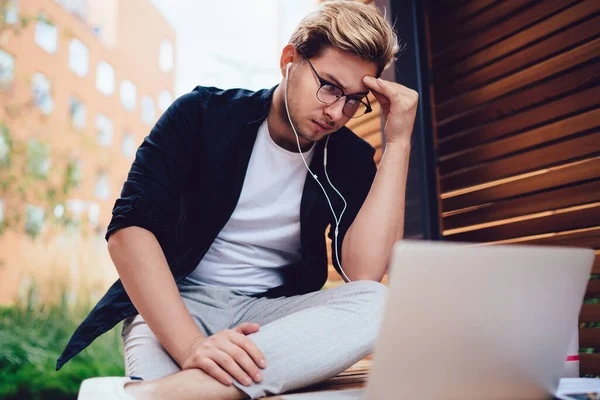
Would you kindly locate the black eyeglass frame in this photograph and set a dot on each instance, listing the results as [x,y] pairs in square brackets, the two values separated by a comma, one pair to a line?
[324,82]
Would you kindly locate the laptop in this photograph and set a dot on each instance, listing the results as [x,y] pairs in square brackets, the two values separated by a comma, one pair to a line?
[465,321]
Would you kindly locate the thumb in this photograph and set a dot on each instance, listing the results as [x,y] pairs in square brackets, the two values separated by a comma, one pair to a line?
[247,328]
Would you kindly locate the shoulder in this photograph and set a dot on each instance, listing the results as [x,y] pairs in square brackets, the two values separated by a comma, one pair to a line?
[215,103]
[209,96]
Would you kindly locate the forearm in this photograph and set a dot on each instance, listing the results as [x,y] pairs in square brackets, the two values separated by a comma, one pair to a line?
[145,274]
[368,244]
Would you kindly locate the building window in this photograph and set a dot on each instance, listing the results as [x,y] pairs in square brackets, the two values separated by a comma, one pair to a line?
[128,95]
[105,78]
[11,12]
[46,34]
[7,69]
[77,7]
[78,57]
[104,130]
[5,147]
[34,220]
[148,110]
[73,174]
[164,100]
[77,112]
[94,214]
[76,207]
[128,146]
[103,186]
[38,159]
[59,211]
[41,93]
[165,57]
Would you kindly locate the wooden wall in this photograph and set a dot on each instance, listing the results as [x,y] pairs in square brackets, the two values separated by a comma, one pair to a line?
[516,105]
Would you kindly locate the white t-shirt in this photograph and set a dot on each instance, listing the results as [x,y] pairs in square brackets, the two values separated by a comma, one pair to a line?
[262,237]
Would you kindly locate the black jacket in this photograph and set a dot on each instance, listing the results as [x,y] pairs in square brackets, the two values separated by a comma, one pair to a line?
[187,178]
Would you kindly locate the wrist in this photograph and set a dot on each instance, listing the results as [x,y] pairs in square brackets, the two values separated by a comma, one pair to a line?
[182,349]
[398,144]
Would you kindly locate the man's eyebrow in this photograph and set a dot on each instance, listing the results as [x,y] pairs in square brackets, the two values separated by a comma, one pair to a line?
[334,80]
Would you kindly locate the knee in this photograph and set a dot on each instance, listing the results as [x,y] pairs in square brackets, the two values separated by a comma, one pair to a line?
[370,297]
[370,293]
[369,300]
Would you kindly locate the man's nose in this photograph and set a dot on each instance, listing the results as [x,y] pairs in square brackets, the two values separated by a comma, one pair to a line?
[335,109]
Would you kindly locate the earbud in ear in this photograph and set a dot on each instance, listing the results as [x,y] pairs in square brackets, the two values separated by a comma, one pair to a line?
[287,71]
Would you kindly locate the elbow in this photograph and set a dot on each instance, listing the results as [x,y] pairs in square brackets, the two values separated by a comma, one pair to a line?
[366,270]
[114,241]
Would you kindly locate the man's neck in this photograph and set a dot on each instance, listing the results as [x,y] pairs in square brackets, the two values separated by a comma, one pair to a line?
[279,126]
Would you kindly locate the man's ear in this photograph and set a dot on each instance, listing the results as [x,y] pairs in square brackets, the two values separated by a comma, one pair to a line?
[288,55]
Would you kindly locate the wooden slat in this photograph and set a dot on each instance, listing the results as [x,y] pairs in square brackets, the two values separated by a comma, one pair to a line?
[374,138]
[558,153]
[378,154]
[529,16]
[589,364]
[593,290]
[465,134]
[469,101]
[355,123]
[517,41]
[589,169]
[589,337]
[332,274]
[553,199]
[517,143]
[588,238]
[537,52]
[556,96]
[460,15]
[446,37]
[550,222]
[437,9]
[596,266]
[590,313]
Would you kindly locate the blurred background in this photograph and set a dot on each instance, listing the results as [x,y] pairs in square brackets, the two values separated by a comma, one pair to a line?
[81,84]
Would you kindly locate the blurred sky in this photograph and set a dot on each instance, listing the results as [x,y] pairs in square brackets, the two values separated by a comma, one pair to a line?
[231,43]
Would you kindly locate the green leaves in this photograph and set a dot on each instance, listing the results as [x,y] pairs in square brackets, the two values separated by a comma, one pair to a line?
[32,337]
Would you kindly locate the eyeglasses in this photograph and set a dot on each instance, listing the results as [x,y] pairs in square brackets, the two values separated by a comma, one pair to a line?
[329,93]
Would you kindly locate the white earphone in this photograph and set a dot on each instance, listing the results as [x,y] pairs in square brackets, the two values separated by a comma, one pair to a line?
[316,178]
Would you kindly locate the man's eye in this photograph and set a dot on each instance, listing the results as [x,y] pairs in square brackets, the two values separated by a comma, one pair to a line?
[333,90]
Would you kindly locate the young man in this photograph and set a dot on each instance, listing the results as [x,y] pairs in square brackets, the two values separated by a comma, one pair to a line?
[218,235]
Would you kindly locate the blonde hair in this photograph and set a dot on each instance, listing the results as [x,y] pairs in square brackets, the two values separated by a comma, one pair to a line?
[349,26]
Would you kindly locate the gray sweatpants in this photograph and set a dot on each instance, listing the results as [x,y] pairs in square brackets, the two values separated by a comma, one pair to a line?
[306,339]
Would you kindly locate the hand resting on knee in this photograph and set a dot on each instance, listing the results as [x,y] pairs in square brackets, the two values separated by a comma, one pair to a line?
[227,355]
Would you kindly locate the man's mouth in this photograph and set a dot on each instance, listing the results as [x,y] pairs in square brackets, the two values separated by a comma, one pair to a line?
[322,127]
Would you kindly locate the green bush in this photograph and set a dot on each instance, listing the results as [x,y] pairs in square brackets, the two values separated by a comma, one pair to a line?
[32,337]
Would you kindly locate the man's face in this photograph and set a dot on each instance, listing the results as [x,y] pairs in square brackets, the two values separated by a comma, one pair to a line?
[312,118]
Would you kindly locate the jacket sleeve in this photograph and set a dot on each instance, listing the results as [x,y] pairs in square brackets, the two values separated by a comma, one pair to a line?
[355,197]
[151,194]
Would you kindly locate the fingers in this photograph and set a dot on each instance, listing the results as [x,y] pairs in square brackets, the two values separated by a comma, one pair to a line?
[378,85]
[213,369]
[229,364]
[229,355]
[392,90]
[245,370]
[247,328]
[250,348]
